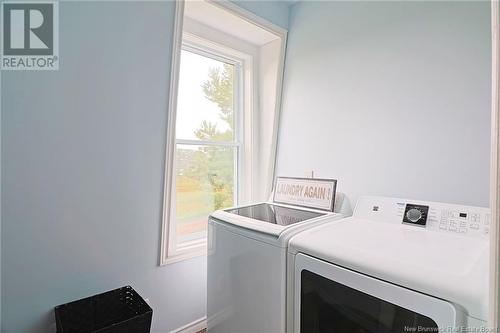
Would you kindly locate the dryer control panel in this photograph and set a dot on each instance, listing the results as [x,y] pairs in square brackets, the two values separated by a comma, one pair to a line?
[415,214]
[433,216]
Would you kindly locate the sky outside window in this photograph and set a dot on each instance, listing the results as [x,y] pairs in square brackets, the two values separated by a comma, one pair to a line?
[193,107]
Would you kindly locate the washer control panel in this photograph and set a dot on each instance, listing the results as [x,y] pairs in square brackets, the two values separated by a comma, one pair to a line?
[433,216]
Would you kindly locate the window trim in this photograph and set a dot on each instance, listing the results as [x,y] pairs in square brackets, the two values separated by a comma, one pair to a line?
[243,119]
[166,255]
[206,48]
[202,47]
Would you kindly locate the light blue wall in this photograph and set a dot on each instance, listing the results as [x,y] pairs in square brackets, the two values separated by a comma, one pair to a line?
[82,170]
[273,11]
[82,158]
[391,98]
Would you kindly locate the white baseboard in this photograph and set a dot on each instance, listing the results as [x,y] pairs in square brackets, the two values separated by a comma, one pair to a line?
[192,327]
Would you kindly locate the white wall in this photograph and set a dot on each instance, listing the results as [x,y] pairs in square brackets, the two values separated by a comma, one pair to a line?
[391,98]
[82,170]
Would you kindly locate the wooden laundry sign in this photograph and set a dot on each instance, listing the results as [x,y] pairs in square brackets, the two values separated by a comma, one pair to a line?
[307,192]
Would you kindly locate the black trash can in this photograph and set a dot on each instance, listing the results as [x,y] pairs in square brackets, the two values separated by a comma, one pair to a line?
[117,311]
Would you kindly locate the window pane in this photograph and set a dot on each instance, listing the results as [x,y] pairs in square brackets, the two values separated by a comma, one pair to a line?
[204,183]
[206,98]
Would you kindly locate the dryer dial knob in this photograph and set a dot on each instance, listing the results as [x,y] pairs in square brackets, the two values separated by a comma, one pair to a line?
[414,215]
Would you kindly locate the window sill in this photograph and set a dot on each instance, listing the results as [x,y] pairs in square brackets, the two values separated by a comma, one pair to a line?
[185,255]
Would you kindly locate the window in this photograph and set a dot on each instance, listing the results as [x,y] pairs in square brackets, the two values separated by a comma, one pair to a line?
[211,154]
[208,143]
[223,113]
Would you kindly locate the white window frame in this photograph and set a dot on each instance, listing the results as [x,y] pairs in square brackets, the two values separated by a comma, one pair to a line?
[243,67]
[243,115]
[245,178]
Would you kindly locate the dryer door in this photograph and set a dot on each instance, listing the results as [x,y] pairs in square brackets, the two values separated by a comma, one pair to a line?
[332,299]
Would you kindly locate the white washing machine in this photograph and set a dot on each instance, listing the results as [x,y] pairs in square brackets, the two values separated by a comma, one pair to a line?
[247,251]
[395,266]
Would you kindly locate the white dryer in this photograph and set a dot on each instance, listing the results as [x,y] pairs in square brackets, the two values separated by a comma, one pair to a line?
[396,265]
[247,251]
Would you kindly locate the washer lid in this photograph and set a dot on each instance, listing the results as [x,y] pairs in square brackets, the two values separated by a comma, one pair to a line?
[274,214]
[272,219]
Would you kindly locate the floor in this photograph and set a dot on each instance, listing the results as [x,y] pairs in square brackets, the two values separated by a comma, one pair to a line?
[202,331]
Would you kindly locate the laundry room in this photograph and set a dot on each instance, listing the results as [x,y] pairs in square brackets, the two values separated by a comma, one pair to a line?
[249,166]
